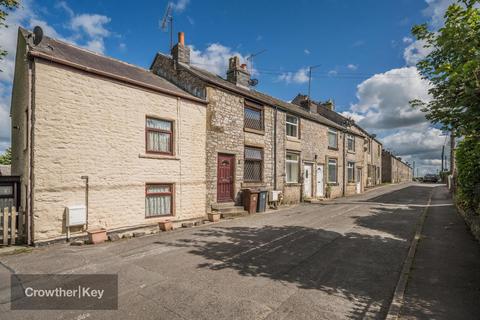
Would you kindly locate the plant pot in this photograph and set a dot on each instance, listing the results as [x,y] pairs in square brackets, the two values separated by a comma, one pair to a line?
[214,217]
[97,236]
[165,225]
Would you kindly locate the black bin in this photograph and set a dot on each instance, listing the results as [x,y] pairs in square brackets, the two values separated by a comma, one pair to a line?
[262,201]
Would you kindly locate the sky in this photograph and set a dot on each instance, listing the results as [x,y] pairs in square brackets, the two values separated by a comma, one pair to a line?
[363,51]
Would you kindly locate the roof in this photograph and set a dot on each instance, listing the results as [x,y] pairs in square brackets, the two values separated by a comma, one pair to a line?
[5,170]
[330,114]
[73,56]
[218,81]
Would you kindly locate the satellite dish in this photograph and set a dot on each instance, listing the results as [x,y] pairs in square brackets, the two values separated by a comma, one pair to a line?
[253,82]
[37,35]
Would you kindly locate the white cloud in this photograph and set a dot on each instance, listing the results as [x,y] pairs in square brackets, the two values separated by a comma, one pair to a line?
[415,52]
[383,99]
[436,10]
[92,24]
[306,51]
[180,5]
[332,73]
[352,67]
[214,58]
[300,76]
[407,40]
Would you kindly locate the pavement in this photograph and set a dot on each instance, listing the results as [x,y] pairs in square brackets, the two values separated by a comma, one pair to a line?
[341,259]
[444,282]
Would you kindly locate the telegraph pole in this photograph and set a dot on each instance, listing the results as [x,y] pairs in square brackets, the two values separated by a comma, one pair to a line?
[443,156]
[310,78]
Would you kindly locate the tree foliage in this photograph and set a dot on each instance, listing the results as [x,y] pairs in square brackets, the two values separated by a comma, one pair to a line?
[453,68]
[468,162]
[5,7]
[6,158]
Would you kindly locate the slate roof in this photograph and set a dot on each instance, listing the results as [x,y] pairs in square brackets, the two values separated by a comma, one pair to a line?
[330,114]
[258,96]
[58,51]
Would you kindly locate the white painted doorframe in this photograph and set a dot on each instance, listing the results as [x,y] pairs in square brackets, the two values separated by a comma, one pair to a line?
[307,179]
[320,179]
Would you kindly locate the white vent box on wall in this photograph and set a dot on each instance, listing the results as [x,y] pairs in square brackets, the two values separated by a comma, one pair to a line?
[76,216]
[274,195]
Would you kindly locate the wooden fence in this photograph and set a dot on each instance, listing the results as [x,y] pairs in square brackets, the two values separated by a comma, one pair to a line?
[12,226]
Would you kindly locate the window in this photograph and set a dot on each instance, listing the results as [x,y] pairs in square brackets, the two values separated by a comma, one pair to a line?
[292,167]
[350,143]
[159,136]
[332,170]
[158,200]
[253,164]
[332,138]
[292,126]
[379,150]
[253,118]
[351,171]
[367,142]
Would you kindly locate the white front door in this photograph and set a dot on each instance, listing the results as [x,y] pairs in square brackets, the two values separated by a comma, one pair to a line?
[307,180]
[320,181]
[359,180]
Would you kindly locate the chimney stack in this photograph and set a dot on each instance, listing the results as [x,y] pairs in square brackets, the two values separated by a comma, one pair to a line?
[238,74]
[180,52]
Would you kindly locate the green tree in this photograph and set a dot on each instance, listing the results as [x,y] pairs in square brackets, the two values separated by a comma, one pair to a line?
[5,7]
[6,158]
[453,68]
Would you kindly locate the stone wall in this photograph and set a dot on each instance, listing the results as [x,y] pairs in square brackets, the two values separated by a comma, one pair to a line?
[93,126]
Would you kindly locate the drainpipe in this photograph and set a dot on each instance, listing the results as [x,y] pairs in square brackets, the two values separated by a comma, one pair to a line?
[86,199]
[275,149]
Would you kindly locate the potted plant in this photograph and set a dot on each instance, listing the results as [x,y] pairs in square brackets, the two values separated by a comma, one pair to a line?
[328,191]
[213,216]
[165,225]
[97,236]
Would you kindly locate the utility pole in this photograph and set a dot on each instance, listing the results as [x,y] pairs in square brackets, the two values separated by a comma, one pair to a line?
[310,78]
[414,168]
[452,153]
[443,156]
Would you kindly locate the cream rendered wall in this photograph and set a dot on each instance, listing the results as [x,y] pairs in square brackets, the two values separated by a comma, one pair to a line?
[88,125]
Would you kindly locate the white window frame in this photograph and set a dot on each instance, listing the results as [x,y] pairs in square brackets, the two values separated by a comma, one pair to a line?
[336,170]
[293,162]
[351,137]
[351,165]
[332,131]
[296,125]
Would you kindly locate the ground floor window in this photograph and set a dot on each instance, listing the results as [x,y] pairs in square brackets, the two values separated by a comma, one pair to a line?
[351,171]
[332,170]
[158,200]
[253,164]
[292,167]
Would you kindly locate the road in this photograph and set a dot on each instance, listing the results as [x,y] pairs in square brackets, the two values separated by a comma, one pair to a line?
[336,260]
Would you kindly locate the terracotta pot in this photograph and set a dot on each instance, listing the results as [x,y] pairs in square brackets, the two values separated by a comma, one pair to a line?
[97,236]
[214,217]
[165,225]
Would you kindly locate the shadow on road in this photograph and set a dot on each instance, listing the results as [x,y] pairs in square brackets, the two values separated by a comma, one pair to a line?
[362,267]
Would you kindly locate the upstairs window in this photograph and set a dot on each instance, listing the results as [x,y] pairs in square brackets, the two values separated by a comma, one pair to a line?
[253,117]
[379,150]
[292,126]
[159,137]
[292,167]
[350,143]
[253,164]
[332,170]
[332,138]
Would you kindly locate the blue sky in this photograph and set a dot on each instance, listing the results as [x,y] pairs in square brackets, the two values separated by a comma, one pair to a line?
[364,50]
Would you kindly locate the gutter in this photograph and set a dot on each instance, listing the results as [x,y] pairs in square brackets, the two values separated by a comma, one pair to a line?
[115,77]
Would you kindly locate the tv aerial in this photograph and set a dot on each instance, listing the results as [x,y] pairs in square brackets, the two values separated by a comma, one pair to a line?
[168,20]
[253,82]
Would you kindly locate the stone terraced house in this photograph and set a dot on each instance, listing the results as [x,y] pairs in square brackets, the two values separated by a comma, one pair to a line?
[138,139]
[257,141]
[394,170]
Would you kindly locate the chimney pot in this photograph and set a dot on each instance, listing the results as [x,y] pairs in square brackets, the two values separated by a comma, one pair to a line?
[244,66]
[181,38]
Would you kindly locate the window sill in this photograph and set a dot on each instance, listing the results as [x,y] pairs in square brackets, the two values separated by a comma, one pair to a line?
[158,156]
[351,152]
[294,139]
[332,184]
[332,148]
[293,184]
[164,217]
[260,132]
[249,184]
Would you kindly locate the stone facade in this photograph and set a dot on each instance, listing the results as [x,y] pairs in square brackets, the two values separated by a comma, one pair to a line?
[394,170]
[373,160]
[87,125]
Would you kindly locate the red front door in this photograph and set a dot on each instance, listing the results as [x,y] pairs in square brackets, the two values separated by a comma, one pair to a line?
[225,170]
